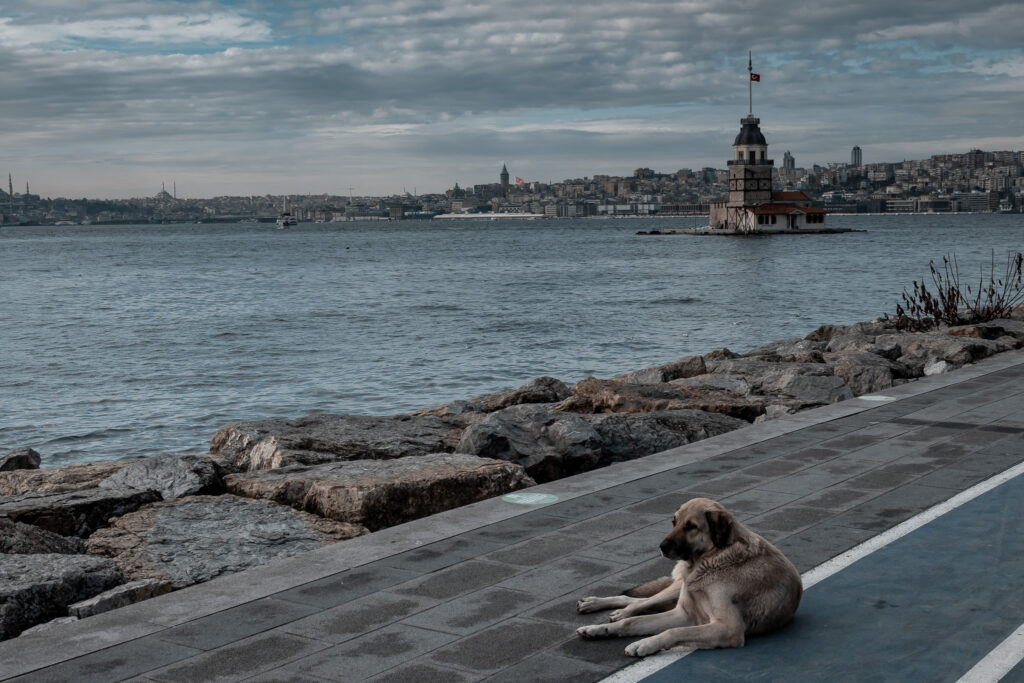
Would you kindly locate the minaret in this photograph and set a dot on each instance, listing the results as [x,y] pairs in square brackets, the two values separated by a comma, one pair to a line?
[504,181]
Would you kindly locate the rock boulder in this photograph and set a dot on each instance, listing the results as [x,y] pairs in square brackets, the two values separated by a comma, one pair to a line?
[37,588]
[120,596]
[383,493]
[552,444]
[197,538]
[173,476]
[58,479]
[26,539]
[539,390]
[20,459]
[75,513]
[316,439]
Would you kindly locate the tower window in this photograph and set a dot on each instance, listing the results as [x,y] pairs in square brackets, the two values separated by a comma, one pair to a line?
[753,155]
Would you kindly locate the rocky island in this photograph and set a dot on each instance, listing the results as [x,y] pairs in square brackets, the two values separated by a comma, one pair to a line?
[81,539]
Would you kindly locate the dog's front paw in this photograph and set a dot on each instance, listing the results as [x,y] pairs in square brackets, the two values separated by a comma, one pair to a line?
[596,631]
[620,614]
[642,648]
[588,604]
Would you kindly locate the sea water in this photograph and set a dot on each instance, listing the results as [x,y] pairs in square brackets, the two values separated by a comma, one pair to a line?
[127,341]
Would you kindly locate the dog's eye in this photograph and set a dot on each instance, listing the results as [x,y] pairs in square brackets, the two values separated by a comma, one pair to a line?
[689,526]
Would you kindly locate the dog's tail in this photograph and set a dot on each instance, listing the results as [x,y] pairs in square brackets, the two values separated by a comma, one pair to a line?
[646,590]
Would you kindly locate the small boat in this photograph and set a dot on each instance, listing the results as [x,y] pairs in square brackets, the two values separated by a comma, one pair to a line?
[286,219]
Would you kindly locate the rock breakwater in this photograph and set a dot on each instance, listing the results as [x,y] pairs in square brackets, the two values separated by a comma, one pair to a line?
[71,537]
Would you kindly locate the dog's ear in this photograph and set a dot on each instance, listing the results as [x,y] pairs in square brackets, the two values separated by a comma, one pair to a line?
[719,527]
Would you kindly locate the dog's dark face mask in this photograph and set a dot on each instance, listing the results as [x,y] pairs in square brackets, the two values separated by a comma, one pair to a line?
[694,534]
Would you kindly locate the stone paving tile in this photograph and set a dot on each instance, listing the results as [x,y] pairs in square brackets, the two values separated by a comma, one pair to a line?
[612,525]
[804,482]
[662,507]
[953,478]
[470,613]
[244,658]
[730,484]
[458,580]
[344,622]
[371,654]
[421,671]
[838,498]
[283,676]
[346,586]
[648,487]
[114,663]
[886,476]
[889,509]
[753,502]
[605,652]
[234,624]
[517,528]
[810,547]
[585,507]
[789,519]
[499,647]
[548,667]
[441,554]
[774,468]
[562,576]
[539,550]
[631,548]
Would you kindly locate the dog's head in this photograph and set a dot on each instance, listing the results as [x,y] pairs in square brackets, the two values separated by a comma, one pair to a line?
[699,526]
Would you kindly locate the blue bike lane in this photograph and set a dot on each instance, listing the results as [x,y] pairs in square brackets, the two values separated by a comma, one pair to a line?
[927,607]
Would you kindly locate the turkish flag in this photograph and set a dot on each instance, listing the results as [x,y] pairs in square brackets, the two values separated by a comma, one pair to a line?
[755,77]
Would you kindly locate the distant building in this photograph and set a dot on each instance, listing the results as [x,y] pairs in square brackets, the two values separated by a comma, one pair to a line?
[856,159]
[504,181]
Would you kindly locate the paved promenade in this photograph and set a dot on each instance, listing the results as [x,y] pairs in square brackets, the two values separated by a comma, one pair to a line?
[488,591]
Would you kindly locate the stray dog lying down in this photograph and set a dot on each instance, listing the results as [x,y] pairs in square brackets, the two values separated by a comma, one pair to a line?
[728,583]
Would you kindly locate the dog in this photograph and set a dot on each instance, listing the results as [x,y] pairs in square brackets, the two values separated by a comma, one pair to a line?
[728,583]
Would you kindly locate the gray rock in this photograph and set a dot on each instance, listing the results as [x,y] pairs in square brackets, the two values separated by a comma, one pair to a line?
[198,538]
[20,459]
[120,596]
[49,625]
[627,436]
[865,372]
[318,439]
[787,347]
[174,476]
[547,444]
[26,539]
[75,513]
[815,389]
[37,588]
[937,368]
[382,493]
[924,349]
[58,479]
[551,445]
[539,390]
[685,367]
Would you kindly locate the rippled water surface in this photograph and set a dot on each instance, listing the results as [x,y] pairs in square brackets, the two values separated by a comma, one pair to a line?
[119,341]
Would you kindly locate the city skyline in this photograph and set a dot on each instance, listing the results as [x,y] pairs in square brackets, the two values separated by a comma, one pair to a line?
[231,98]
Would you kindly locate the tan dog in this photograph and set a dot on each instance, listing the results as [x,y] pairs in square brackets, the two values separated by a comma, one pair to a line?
[728,583]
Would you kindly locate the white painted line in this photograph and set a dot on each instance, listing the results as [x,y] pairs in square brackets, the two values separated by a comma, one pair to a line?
[999,662]
[655,663]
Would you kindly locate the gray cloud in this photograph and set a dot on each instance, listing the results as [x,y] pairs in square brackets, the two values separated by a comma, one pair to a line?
[416,92]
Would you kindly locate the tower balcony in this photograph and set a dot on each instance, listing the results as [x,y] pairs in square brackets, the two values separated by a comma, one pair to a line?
[748,162]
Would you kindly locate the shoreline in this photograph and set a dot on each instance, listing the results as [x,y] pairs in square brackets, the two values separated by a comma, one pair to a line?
[326,478]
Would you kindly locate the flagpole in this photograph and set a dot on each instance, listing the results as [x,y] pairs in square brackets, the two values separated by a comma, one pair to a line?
[750,85]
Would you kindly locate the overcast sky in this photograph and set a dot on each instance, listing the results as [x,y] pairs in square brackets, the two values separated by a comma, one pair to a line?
[110,98]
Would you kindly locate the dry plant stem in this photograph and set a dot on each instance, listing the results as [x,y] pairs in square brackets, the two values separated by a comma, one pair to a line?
[954,303]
